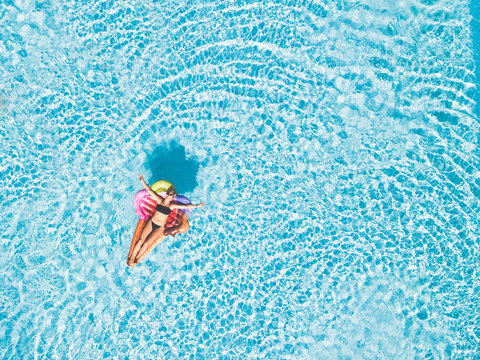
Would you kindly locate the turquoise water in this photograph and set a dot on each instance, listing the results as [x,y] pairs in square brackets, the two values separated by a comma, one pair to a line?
[335,144]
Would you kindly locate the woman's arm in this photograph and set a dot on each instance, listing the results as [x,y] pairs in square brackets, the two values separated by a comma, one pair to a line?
[189,206]
[152,193]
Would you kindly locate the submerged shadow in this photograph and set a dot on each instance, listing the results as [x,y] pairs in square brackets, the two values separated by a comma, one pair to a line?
[169,162]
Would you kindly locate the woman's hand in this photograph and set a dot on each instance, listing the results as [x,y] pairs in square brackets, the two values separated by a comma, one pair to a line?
[201,204]
[140,177]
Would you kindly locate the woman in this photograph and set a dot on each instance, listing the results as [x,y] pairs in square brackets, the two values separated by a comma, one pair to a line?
[154,230]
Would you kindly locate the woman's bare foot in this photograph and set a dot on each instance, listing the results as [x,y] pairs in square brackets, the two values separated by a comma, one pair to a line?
[130,263]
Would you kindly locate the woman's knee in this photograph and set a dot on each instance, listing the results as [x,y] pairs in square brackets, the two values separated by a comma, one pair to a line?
[149,241]
[140,242]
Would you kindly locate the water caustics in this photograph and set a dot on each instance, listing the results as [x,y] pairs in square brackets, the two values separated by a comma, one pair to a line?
[336,146]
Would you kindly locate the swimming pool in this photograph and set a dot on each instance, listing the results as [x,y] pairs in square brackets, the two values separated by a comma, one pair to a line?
[335,144]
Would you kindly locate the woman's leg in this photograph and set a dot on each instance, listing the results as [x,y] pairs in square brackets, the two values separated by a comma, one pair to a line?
[150,243]
[147,230]
[136,238]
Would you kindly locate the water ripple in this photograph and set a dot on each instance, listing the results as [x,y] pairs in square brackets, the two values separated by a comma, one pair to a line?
[338,153]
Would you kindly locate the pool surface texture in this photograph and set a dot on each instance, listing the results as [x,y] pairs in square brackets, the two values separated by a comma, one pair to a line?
[336,144]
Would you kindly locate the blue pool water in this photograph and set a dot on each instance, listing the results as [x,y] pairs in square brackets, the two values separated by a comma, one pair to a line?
[334,142]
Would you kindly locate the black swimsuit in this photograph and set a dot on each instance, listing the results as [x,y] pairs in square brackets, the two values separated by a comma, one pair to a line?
[165,210]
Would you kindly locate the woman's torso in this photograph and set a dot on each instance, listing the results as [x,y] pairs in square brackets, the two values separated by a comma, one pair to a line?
[161,213]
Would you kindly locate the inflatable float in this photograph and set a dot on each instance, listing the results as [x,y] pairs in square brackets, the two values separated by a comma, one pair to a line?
[177,221]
